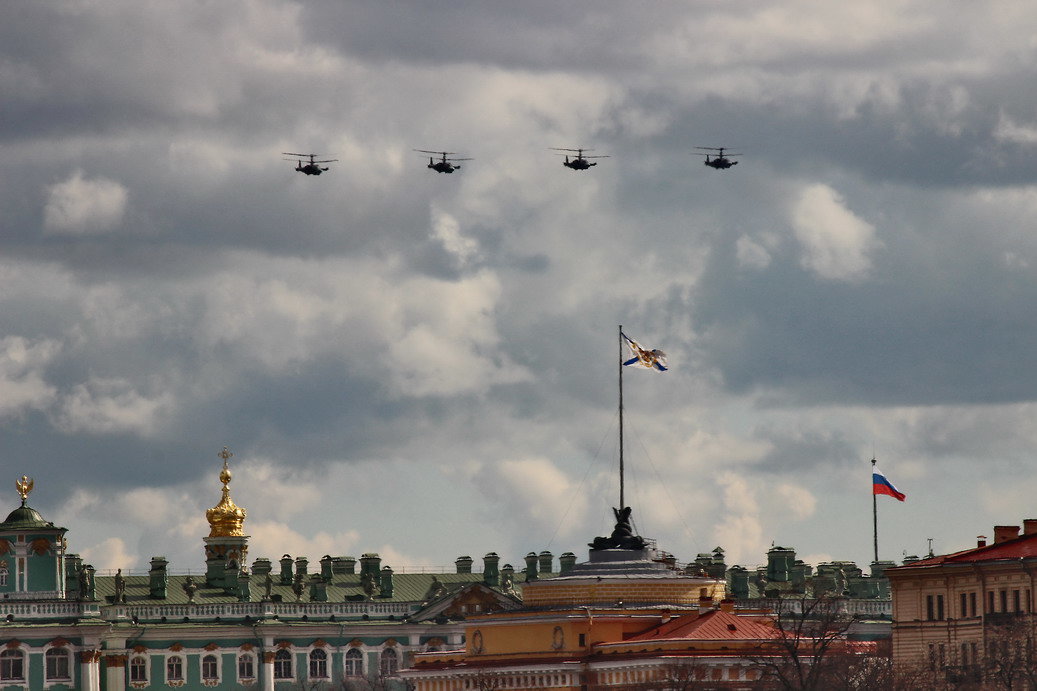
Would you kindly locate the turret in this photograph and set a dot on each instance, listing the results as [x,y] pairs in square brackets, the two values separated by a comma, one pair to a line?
[227,541]
[32,552]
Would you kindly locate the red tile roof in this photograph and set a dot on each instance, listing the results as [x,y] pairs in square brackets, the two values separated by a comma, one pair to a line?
[1022,547]
[715,625]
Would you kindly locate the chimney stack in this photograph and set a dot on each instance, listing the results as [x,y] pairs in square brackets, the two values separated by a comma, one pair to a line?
[491,570]
[1030,526]
[1005,532]
[463,564]
[981,541]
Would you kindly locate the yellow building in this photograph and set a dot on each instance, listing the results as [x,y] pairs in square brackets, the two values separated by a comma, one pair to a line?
[623,619]
[955,614]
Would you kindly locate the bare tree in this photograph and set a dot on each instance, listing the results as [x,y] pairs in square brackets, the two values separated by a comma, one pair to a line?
[810,651]
[1010,659]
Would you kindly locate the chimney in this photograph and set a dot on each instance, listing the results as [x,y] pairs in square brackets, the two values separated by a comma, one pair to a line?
[301,568]
[158,578]
[490,570]
[727,605]
[546,561]
[286,569]
[371,563]
[566,563]
[385,583]
[318,589]
[531,566]
[345,565]
[325,567]
[981,541]
[261,567]
[705,603]
[1030,526]
[463,564]
[244,589]
[1005,532]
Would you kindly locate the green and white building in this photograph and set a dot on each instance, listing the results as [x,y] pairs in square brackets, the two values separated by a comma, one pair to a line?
[342,623]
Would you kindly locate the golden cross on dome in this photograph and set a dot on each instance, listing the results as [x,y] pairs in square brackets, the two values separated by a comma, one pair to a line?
[225,455]
[24,486]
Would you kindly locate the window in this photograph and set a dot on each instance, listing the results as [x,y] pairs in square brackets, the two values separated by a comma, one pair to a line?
[972,604]
[210,668]
[318,664]
[1017,601]
[3,573]
[939,607]
[12,665]
[354,663]
[246,666]
[57,664]
[1004,600]
[390,662]
[174,668]
[929,607]
[964,606]
[283,664]
[990,602]
[139,668]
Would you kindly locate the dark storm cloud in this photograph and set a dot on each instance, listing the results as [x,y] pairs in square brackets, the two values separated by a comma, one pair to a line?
[170,284]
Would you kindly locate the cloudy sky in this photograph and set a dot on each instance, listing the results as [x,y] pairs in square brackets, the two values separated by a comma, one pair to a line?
[424,365]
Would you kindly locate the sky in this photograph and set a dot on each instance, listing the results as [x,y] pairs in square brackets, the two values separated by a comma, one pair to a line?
[425,365]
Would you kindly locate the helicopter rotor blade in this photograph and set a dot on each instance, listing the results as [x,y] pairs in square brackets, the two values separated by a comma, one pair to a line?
[556,148]
[438,153]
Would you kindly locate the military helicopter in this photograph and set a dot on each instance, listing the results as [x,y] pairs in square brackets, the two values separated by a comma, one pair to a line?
[444,164]
[579,161]
[719,161]
[310,168]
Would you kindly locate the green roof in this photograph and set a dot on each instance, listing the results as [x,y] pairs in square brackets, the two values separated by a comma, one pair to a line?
[25,517]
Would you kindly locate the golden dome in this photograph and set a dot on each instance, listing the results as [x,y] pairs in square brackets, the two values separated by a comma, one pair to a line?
[226,518]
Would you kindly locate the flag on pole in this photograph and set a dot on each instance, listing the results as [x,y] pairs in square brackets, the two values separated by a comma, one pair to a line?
[652,359]
[880,485]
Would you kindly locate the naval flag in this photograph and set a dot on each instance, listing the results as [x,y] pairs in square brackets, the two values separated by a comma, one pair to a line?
[652,359]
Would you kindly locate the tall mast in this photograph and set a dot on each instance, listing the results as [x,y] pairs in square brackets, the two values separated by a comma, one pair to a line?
[621,504]
[875,512]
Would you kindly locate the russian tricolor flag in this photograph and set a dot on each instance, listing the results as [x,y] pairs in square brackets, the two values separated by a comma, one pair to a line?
[880,485]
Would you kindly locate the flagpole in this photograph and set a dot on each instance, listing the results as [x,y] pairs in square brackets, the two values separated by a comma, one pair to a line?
[621,504]
[875,511]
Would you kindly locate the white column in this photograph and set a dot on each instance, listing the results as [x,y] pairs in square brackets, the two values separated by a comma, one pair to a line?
[90,670]
[267,672]
[115,665]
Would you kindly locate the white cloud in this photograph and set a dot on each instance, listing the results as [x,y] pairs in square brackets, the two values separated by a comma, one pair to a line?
[106,406]
[79,206]
[22,366]
[110,554]
[535,489]
[447,231]
[836,244]
[751,254]
[797,501]
[740,532]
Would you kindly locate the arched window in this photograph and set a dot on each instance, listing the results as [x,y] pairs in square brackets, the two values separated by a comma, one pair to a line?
[139,668]
[174,668]
[318,664]
[283,664]
[246,667]
[12,665]
[57,665]
[210,668]
[390,662]
[354,663]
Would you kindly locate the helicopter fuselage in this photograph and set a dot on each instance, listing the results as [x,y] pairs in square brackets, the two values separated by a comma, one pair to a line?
[442,166]
[720,163]
[578,163]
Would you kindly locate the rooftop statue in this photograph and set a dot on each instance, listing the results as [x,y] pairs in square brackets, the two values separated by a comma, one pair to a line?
[623,536]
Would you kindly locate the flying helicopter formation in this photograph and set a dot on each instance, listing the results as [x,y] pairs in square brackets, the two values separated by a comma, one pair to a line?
[448,161]
[579,161]
[444,164]
[311,168]
[719,160]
